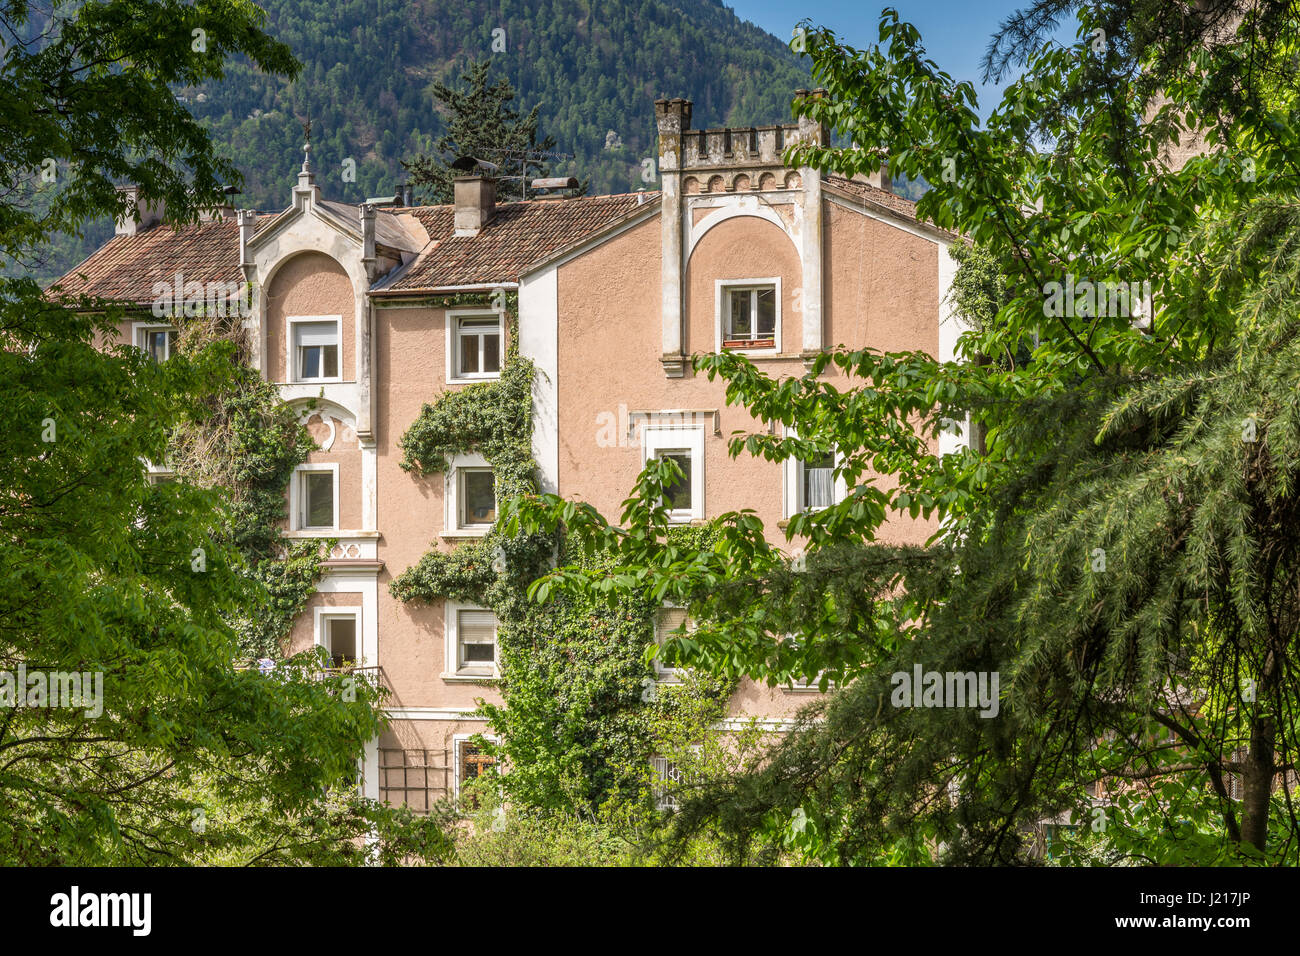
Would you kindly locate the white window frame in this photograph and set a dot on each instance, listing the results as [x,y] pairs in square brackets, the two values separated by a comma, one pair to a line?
[662,781]
[722,303]
[296,502]
[456,741]
[794,482]
[806,685]
[320,627]
[663,674]
[451,644]
[291,351]
[656,439]
[139,328]
[451,519]
[454,374]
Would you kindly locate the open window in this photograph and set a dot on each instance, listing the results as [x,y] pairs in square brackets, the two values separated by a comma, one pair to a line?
[339,637]
[812,485]
[749,315]
[817,483]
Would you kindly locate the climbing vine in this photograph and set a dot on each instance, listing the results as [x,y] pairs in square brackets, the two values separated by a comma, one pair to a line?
[577,725]
[248,444]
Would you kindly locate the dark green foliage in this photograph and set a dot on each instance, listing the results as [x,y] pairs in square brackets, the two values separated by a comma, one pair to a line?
[1120,548]
[72,113]
[481,123]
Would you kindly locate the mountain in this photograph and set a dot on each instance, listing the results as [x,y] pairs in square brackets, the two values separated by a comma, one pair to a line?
[594,66]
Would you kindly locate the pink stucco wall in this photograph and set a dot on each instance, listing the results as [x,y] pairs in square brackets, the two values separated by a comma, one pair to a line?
[310,283]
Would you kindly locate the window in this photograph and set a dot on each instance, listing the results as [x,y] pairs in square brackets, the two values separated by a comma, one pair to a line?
[340,638]
[678,492]
[478,497]
[668,620]
[471,762]
[818,480]
[684,496]
[476,643]
[667,777]
[157,341]
[812,485]
[317,498]
[471,496]
[749,315]
[805,683]
[315,350]
[477,346]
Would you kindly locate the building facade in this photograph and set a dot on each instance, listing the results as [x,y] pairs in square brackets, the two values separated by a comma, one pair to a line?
[614,294]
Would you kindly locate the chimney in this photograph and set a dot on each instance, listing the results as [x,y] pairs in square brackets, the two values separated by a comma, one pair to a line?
[247,227]
[880,177]
[142,215]
[475,202]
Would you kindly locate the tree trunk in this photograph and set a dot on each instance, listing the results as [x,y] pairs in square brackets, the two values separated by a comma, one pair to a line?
[1257,781]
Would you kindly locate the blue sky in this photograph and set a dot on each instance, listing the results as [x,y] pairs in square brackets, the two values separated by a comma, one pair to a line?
[955,32]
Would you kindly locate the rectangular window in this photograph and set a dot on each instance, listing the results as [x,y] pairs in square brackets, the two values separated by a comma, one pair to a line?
[341,639]
[471,763]
[159,343]
[316,496]
[818,480]
[678,493]
[478,347]
[667,621]
[749,317]
[316,351]
[476,643]
[684,446]
[666,778]
[478,497]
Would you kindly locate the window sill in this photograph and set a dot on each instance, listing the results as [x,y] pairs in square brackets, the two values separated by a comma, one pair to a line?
[472,379]
[328,533]
[471,678]
[756,347]
[463,534]
[691,522]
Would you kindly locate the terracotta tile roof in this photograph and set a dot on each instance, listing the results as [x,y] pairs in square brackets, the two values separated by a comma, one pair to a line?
[125,268]
[519,235]
[869,193]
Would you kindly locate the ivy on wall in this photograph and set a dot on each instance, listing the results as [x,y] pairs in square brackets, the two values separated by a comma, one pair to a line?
[580,702]
[249,443]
